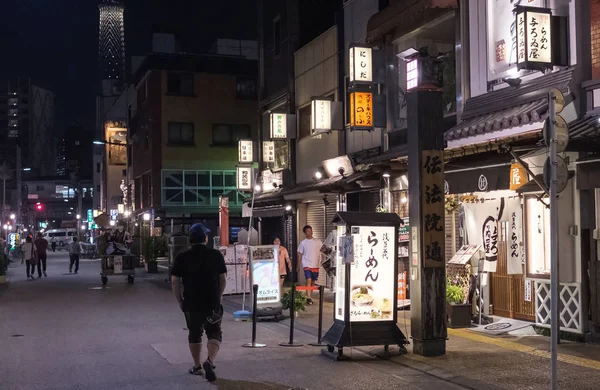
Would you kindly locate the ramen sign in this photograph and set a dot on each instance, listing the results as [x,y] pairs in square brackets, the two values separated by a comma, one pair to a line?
[373,281]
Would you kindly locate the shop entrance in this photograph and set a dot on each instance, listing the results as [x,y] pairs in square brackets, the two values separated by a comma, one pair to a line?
[508,291]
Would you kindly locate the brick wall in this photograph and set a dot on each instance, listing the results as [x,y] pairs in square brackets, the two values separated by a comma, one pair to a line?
[595,32]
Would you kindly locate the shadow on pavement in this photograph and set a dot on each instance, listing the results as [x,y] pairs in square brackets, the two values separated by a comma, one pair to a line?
[225,384]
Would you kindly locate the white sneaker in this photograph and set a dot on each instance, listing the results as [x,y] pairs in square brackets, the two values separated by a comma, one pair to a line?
[45,274]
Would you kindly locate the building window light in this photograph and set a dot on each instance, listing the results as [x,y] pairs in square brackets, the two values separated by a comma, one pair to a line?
[412,74]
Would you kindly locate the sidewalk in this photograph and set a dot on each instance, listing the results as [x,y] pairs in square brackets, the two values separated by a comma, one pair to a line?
[507,362]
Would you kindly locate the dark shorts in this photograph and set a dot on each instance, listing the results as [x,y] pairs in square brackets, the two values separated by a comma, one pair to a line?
[197,324]
[310,273]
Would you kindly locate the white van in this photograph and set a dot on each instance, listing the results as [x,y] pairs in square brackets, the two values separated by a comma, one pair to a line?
[62,237]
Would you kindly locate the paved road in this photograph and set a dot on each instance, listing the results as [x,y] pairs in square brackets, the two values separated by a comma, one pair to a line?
[66,332]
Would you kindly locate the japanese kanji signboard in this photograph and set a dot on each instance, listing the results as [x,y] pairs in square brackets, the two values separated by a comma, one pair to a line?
[245,152]
[361,64]
[518,176]
[361,110]
[278,126]
[534,38]
[432,201]
[268,151]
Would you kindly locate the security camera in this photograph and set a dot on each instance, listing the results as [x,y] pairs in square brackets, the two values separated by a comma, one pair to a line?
[341,170]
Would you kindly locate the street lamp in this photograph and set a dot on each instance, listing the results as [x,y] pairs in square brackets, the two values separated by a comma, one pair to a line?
[146,217]
[78,216]
[12,216]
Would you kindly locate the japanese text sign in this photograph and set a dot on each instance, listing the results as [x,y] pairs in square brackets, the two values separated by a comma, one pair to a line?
[278,126]
[373,281]
[245,152]
[244,178]
[432,204]
[518,176]
[361,64]
[320,116]
[534,37]
[265,272]
[361,109]
[268,151]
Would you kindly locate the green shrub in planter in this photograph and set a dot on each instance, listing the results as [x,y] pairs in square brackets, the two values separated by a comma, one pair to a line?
[300,301]
[454,294]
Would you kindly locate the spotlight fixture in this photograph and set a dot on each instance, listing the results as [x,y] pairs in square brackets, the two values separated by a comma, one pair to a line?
[386,175]
[318,175]
[288,208]
[404,199]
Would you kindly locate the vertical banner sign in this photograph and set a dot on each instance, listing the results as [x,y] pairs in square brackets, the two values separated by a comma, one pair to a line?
[432,201]
[518,176]
[372,276]
[361,64]
[265,272]
[516,249]
[320,116]
[244,178]
[361,110]
[268,151]
[245,152]
[534,38]
[340,275]
[278,126]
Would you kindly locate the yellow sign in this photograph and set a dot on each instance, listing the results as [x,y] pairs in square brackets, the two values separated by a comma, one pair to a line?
[361,109]
[518,176]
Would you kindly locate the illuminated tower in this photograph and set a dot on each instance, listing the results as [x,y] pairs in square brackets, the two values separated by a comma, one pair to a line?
[111,46]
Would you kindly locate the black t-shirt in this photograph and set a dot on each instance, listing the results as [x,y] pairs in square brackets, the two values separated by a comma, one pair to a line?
[200,267]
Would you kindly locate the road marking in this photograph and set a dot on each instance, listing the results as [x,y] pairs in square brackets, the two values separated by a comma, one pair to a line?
[570,359]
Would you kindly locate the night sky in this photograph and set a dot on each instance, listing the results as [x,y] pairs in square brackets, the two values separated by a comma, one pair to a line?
[54,42]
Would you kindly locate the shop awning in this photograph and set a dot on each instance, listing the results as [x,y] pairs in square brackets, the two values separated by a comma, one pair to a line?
[392,154]
[480,173]
[406,16]
[510,107]
[353,218]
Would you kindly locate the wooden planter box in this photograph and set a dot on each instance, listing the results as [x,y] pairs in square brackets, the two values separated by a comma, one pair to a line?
[2,279]
[459,316]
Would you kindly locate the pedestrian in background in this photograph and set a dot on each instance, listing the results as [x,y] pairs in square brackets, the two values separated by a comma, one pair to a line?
[284,262]
[53,241]
[309,255]
[203,273]
[74,252]
[42,246]
[30,257]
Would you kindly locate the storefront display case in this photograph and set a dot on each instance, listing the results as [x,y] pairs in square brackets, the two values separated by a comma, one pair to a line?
[365,311]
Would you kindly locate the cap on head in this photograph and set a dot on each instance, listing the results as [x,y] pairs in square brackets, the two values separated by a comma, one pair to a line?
[198,233]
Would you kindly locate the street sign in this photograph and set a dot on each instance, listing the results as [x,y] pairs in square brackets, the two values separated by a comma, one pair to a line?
[562,174]
[559,100]
[561,132]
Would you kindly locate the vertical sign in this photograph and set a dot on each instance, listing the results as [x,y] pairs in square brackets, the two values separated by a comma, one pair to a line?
[361,109]
[268,151]
[90,216]
[245,151]
[432,201]
[361,64]
[278,126]
[521,49]
[539,45]
[372,278]
[244,178]
[320,116]
[518,176]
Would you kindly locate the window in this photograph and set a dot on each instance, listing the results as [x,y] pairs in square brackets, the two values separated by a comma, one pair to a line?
[13,101]
[199,188]
[180,133]
[97,167]
[537,226]
[13,111]
[228,135]
[181,84]
[277,36]
[13,122]
[246,88]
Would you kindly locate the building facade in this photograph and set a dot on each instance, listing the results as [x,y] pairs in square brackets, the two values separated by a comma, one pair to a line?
[191,110]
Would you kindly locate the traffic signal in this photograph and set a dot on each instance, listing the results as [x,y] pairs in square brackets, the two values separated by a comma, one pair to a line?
[39,207]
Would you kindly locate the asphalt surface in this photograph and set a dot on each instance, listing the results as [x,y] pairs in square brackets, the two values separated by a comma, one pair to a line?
[67,332]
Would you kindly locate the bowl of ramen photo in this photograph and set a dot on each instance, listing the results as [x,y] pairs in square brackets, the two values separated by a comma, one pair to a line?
[362,296]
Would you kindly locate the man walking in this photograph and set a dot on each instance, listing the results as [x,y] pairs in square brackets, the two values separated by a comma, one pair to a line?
[203,273]
[42,246]
[309,255]
[74,252]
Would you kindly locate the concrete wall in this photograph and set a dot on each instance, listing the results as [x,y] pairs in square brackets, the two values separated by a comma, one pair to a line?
[316,74]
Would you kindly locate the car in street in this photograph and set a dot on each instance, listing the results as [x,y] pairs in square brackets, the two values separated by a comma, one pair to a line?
[63,237]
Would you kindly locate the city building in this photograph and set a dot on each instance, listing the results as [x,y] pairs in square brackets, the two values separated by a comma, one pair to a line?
[189,113]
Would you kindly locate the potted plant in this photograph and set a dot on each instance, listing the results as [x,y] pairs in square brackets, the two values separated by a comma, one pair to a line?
[299,301]
[162,248]
[150,255]
[458,313]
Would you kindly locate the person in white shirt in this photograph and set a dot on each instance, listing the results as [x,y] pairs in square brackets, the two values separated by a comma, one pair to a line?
[309,255]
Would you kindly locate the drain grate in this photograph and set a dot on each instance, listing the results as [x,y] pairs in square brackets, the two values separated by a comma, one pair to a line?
[17,335]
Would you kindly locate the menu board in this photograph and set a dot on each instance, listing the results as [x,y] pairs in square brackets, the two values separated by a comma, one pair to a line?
[372,279]
[340,275]
[265,272]
[464,254]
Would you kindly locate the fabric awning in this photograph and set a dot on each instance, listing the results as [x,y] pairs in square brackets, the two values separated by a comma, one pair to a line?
[406,16]
[510,107]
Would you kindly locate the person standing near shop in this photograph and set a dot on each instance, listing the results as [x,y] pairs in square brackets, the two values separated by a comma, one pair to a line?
[74,252]
[284,262]
[203,273]
[53,243]
[42,246]
[309,255]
